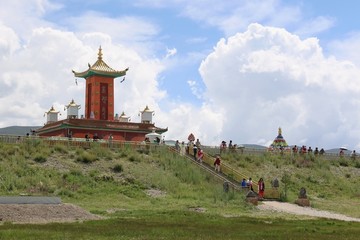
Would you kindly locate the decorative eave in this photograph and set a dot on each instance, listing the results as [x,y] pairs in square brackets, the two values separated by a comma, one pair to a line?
[100,68]
[99,125]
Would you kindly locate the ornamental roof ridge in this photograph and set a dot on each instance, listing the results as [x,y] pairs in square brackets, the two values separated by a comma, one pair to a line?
[100,68]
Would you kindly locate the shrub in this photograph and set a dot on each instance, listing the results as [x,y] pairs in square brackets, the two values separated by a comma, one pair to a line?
[65,192]
[303,163]
[86,157]
[343,162]
[134,158]
[118,168]
[101,152]
[248,159]
[94,173]
[60,148]
[357,164]
[123,154]
[40,159]
[105,178]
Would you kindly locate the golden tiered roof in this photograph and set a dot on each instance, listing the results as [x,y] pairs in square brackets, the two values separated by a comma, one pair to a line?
[72,104]
[52,110]
[100,68]
[146,109]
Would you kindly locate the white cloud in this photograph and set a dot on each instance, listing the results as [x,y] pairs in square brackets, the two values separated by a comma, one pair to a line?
[125,29]
[206,123]
[232,16]
[315,26]
[23,16]
[346,49]
[195,88]
[267,78]
[9,41]
[170,52]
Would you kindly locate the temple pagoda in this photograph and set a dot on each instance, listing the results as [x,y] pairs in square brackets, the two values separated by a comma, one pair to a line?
[279,142]
[99,119]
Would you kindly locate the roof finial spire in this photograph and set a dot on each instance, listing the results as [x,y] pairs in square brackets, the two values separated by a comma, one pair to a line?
[100,53]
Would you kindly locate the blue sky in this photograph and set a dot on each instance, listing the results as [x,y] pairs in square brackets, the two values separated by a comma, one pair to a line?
[235,69]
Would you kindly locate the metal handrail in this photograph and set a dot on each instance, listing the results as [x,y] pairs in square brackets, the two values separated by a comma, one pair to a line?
[207,167]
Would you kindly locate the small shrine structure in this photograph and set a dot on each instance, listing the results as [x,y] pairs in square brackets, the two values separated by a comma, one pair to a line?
[99,119]
[279,142]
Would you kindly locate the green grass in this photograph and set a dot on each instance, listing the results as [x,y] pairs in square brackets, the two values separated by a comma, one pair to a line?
[185,225]
[99,180]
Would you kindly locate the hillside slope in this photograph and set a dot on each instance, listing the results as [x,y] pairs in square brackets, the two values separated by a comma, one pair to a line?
[108,181]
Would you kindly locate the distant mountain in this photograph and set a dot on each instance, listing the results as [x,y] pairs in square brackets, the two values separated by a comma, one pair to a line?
[252,146]
[17,130]
[337,151]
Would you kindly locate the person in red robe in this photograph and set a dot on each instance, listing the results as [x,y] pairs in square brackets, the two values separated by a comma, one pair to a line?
[200,155]
[217,164]
[261,188]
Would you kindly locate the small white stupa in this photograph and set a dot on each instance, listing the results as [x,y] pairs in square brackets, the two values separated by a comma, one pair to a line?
[124,118]
[52,115]
[72,110]
[146,115]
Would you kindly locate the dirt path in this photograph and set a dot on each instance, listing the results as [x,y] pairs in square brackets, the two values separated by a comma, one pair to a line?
[307,211]
[43,213]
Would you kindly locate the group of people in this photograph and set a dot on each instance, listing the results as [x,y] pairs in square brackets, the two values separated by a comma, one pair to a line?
[197,152]
[224,146]
[198,155]
[249,184]
[308,150]
[181,148]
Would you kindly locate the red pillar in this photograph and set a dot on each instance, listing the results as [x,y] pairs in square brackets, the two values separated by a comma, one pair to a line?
[99,97]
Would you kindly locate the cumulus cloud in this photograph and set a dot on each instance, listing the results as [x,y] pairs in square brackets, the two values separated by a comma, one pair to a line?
[23,17]
[345,48]
[9,41]
[38,75]
[256,80]
[265,78]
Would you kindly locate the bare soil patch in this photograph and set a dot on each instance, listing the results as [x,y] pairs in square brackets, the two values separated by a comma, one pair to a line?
[44,213]
[307,211]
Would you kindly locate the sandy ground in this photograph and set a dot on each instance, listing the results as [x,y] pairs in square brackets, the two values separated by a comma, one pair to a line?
[307,211]
[43,213]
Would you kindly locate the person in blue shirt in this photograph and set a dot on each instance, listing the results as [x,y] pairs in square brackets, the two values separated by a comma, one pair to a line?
[243,183]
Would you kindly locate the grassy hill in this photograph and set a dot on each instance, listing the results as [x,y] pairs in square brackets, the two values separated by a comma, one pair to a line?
[331,183]
[17,130]
[100,179]
[159,187]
